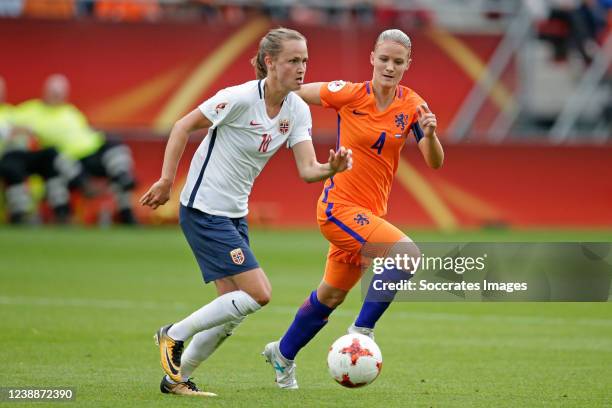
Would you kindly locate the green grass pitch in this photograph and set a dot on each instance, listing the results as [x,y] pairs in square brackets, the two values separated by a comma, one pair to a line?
[78,307]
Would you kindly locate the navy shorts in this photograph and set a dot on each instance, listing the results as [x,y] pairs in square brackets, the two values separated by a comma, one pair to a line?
[220,244]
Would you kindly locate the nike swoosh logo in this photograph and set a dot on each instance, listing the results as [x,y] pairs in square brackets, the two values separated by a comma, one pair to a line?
[253,123]
[169,361]
[278,367]
[359,113]
[234,303]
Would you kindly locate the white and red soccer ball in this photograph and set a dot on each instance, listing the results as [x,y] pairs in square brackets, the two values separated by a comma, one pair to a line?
[354,360]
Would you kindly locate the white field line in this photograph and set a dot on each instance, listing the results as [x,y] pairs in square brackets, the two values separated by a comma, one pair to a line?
[287,310]
[88,303]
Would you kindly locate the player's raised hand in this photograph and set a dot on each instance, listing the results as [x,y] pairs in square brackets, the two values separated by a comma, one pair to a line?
[427,120]
[340,160]
[158,194]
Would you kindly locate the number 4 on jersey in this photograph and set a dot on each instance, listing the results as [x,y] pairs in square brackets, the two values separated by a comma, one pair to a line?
[380,143]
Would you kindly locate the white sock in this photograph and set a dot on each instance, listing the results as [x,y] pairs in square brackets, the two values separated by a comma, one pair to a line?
[204,344]
[223,309]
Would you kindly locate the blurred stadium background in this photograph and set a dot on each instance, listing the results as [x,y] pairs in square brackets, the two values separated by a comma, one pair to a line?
[522,91]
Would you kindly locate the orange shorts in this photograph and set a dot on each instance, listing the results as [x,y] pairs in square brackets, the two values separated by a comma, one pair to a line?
[348,228]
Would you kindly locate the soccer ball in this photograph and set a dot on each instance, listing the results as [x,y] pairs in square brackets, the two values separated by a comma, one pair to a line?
[354,360]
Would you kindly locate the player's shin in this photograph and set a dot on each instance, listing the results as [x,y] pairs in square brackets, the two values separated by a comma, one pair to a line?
[379,297]
[223,309]
[59,198]
[124,200]
[204,344]
[18,202]
[309,320]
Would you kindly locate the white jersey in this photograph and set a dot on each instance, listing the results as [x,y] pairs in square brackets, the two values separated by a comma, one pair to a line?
[238,145]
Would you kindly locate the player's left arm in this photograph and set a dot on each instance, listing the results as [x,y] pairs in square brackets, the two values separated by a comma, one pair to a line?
[310,93]
[429,145]
[311,170]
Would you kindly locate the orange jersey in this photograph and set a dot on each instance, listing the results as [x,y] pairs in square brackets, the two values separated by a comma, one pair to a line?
[376,139]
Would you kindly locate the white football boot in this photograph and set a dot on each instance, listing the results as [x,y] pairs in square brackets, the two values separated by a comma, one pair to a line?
[283,368]
[366,331]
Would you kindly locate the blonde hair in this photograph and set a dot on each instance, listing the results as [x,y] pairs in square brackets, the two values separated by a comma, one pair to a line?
[395,35]
[272,44]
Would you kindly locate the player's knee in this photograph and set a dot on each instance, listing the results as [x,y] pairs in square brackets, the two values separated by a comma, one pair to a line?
[263,296]
[12,173]
[263,299]
[331,298]
[405,246]
[335,300]
[117,160]
[407,250]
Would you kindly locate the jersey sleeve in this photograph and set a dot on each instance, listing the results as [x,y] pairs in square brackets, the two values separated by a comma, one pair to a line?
[23,114]
[5,131]
[336,94]
[302,130]
[77,117]
[222,108]
[29,115]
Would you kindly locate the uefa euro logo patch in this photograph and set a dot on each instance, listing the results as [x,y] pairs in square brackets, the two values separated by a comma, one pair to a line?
[237,256]
[335,86]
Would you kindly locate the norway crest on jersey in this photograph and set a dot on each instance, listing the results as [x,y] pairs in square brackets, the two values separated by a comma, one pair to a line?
[283,126]
[237,256]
